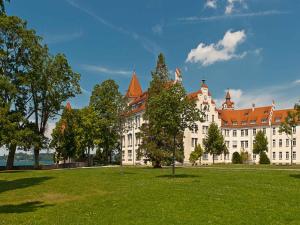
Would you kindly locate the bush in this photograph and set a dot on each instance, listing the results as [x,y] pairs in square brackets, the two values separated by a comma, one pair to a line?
[263,158]
[236,158]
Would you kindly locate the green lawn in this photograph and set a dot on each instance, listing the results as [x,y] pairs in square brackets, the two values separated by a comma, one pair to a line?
[232,195]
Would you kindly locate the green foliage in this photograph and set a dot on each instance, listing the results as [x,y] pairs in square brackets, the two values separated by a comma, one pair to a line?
[196,154]
[168,113]
[108,105]
[2,7]
[64,135]
[245,156]
[214,143]
[263,158]
[260,143]
[236,158]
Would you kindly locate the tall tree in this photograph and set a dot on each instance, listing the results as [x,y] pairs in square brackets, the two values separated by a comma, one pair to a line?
[289,126]
[214,143]
[17,44]
[87,133]
[168,113]
[261,147]
[105,101]
[51,82]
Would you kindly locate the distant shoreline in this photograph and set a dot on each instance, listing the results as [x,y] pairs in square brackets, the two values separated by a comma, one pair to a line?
[27,162]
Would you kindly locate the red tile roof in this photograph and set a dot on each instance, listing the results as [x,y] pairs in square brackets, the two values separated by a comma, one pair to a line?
[134,89]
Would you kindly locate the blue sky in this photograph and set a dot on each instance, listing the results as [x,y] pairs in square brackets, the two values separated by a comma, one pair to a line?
[249,46]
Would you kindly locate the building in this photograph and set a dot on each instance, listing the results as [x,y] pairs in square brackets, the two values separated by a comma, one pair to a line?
[238,126]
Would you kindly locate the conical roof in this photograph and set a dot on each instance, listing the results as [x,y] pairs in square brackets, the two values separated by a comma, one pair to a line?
[134,89]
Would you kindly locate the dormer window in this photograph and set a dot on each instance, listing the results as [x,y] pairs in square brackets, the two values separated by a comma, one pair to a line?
[264,120]
[244,122]
[234,123]
[252,121]
[277,119]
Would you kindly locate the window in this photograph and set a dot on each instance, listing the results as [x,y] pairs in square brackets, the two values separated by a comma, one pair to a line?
[287,142]
[204,129]
[264,120]
[137,139]
[123,141]
[123,155]
[242,144]
[205,156]
[280,155]
[234,144]
[227,133]
[129,155]
[280,143]
[274,155]
[294,142]
[274,143]
[194,142]
[264,130]
[294,155]
[242,133]
[252,122]
[246,132]
[246,144]
[287,155]
[215,157]
[254,157]
[227,144]
[274,131]
[294,130]
[234,133]
[254,131]
[129,137]
[234,123]
[137,121]
[213,118]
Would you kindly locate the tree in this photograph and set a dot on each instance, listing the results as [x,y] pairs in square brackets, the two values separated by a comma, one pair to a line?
[236,158]
[17,44]
[214,143]
[87,133]
[263,158]
[196,154]
[106,101]
[289,125]
[51,82]
[260,143]
[64,135]
[260,146]
[168,113]
[2,7]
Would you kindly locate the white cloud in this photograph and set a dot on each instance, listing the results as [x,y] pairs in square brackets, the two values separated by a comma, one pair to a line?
[281,94]
[211,4]
[101,69]
[146,43]
[232,4]
[224,50]
[195,19]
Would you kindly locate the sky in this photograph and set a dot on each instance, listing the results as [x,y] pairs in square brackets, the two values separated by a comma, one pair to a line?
[249,46]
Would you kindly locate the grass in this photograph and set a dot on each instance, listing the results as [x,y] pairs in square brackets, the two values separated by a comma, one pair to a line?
[221,195]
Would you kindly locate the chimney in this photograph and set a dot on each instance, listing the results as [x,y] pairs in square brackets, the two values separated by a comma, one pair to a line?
[253,107]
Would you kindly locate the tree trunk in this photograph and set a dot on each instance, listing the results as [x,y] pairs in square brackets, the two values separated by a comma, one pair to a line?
[89,157]
[36,158]
[11,157]
[213,159]
[174,149]
[156,164]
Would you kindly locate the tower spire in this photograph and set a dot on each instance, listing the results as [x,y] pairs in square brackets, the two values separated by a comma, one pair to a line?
[134,89]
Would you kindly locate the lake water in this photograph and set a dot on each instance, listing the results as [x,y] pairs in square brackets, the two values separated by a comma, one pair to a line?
[27,162]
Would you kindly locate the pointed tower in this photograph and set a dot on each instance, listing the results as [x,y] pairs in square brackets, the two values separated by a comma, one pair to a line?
[134,89]
[228,104]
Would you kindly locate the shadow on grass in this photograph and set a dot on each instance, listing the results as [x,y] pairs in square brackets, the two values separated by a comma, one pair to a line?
[177,176]
[23,207]
[295,176]
[12,171]
[21,183]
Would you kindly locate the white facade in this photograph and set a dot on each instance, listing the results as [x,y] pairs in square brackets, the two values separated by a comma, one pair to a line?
[238,138]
